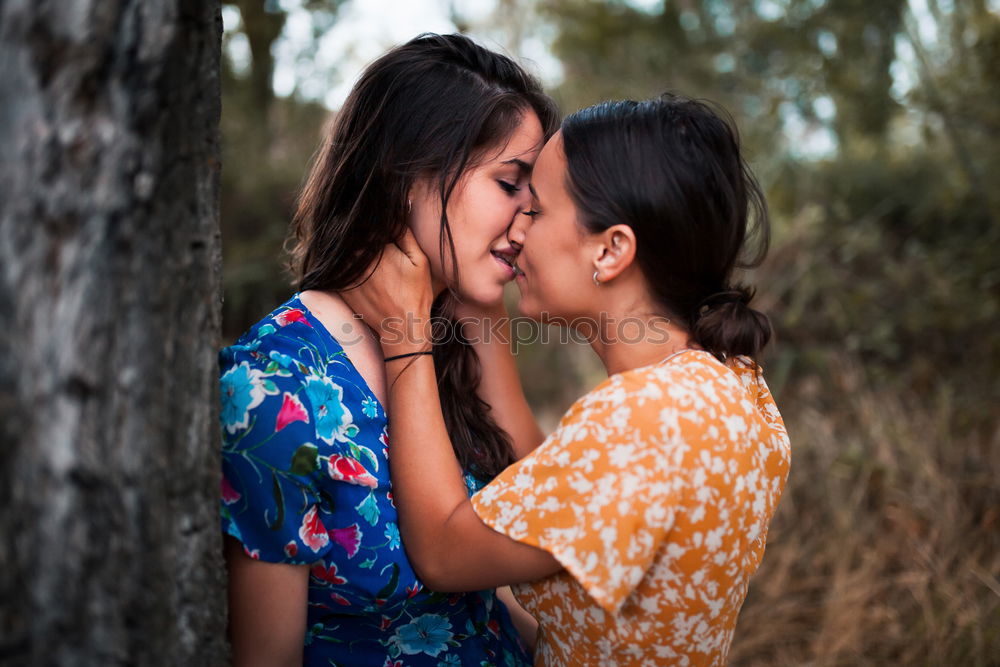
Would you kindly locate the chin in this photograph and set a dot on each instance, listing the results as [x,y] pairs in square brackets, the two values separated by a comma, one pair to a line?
[483,296]
[526,308]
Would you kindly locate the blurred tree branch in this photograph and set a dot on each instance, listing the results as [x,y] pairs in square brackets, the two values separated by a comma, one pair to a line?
[262,24]
[938,104]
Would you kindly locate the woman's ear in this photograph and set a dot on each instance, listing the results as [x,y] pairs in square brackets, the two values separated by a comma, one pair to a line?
[614,252]
[417,195]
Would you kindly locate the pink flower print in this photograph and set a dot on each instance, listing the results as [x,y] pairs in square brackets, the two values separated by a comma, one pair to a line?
[339,599]
[229,494]
[291,410]
[311,532]
[255,554]
[291,549]
[292,315]
[389,662]
[414,589]
[350,470]
[349,538]
[327,574]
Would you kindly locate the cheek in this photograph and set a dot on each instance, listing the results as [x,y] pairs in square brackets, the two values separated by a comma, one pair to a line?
[558,266]
[426,227]
[481,216]
[478,219]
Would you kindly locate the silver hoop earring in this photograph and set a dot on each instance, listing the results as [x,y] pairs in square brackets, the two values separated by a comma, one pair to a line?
[596,281]
[409,205]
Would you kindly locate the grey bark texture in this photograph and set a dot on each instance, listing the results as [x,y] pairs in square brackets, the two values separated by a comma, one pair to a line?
[110,552]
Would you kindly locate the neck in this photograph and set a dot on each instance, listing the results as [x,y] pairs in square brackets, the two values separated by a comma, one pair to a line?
[630,340]
[620,357]
[437,285]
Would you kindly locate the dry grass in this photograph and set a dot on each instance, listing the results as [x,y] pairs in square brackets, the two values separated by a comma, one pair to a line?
[886,546]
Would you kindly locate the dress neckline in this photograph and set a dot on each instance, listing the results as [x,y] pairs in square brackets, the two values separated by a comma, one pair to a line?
[671,356]
[321,328]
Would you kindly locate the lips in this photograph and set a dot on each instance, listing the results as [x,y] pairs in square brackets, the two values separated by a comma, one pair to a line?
[507,257]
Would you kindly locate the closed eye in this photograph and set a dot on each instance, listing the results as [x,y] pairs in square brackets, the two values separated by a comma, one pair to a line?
[531,213]
[509,188]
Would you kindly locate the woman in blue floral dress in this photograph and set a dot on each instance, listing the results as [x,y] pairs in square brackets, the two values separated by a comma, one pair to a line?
[438,136]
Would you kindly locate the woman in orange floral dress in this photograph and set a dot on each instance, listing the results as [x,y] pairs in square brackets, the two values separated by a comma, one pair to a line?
[633,530]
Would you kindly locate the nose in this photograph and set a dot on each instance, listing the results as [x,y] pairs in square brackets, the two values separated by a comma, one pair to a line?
[517,230]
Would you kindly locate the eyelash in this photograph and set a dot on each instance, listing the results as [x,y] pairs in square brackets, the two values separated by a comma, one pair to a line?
[531,213]
[509,188]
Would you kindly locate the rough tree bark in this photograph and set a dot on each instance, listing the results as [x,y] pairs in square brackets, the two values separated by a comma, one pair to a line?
[109,321]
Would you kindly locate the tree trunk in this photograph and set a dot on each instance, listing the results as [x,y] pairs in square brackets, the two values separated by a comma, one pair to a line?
[109,303]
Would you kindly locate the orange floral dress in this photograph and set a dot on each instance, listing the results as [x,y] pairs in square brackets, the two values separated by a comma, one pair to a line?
[655,493]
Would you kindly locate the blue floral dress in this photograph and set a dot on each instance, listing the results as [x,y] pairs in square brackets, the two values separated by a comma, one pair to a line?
[306,481]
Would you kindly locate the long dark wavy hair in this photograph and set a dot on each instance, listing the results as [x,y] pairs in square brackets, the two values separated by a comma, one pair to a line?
[672,170]
[434,105]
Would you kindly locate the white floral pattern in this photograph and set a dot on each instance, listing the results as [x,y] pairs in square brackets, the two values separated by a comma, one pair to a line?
[655,493]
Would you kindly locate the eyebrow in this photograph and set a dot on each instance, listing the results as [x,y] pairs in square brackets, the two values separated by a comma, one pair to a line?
[521,164]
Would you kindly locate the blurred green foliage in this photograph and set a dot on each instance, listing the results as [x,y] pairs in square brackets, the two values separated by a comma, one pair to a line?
[267,143]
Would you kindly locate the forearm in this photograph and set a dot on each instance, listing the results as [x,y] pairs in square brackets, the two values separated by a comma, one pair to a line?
[427,479]
[448,544]
[525,623]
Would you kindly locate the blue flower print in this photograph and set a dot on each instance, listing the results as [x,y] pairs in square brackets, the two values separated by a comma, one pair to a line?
[428,634]
[241,391]
[368,509]
[315,630]
[472,483]
[392,534]
[282,359]
[510,660]
[369,407]
[450,660]
[333,418]
[234,528]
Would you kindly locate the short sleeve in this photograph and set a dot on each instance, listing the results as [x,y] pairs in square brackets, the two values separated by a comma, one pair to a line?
[599,494]
[271,499]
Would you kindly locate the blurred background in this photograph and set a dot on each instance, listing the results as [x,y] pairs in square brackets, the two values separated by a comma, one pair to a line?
[874,126]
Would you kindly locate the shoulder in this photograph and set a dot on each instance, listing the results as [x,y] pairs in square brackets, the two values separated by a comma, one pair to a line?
[274,368]
[695,380]
[281,339]
[693,373]
[667,405]
[642,393]
[293,345]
